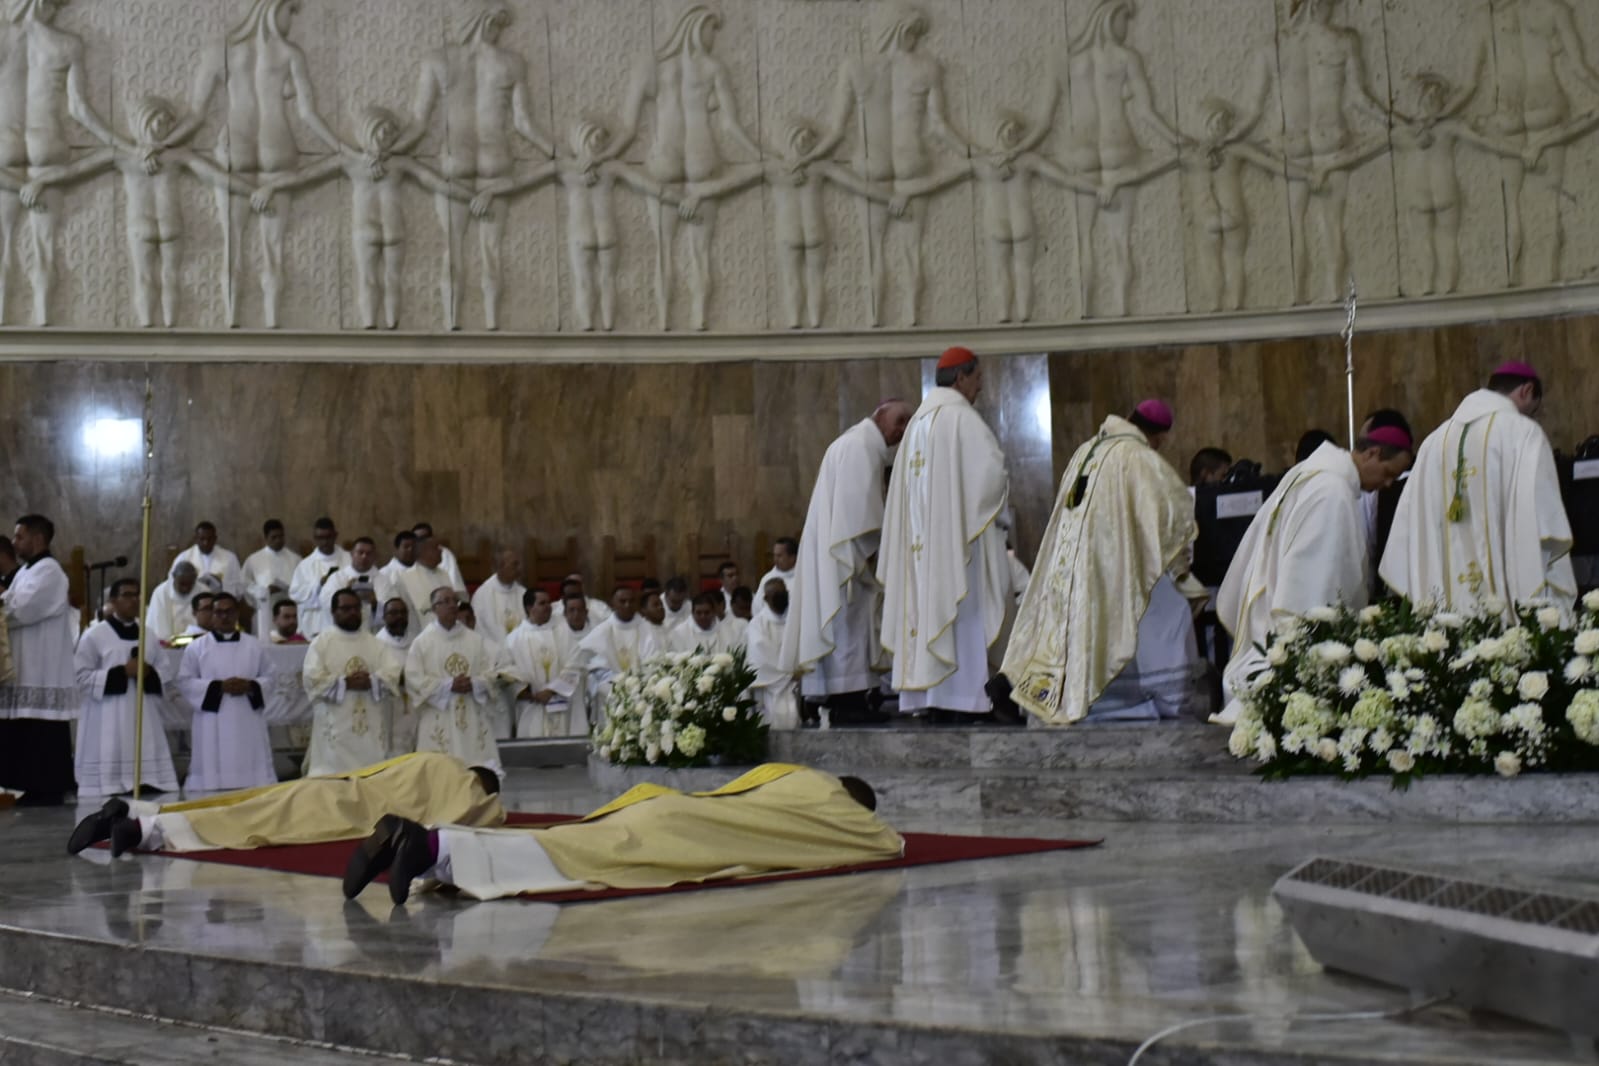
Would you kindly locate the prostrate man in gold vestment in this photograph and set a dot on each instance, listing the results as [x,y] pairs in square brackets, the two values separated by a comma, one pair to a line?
[945,578]
[351,681]
[426,786]
[1305,548]
[775,818]
[1104,629]
[1481,518]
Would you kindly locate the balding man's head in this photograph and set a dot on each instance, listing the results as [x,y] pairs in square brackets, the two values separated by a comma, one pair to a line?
[891,417]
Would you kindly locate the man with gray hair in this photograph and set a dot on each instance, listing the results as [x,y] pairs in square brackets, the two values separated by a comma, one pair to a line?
[498,601]
[171,613]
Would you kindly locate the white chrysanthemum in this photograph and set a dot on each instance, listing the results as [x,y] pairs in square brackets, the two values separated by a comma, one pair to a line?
[1331,652]
[1525,718]
[1265,747]
[1277,654]
[1450,619]
[1548,618]
[1241,744]
[1435,641]
[1489,649]
[724,660]
[1533,685]
[1380,741]
[1481,689]
[1371,615]
[1290,630]
[1327,750]
[705,683]
[1322,614]
[729,713]
[1508,764]
[1401,761]
[1398,685]
[1366,650]
[1414,674]
[1259,682]
[646,720]
[662,689]
[1578,669]
[668,742]
[652,753]
[1587,642]
[1352,681]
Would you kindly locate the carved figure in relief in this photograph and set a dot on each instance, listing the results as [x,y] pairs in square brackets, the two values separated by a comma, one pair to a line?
[377,216]
[1535,57]
[588,179]
[262,73]
[154,211]
[1107,94]
[483,90]
[41,75]
[1320,73]
[895,96]
[693,96]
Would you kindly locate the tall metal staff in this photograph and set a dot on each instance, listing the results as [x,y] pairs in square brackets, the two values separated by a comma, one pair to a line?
[144,587]
[1351,306]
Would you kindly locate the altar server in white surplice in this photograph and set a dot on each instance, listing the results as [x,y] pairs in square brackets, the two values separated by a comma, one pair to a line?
[38,704]
[450,674]
[1482,517]
[946,582]
[1109,632]
[305,588]
[360,576]
[170,612]
[536,664]
[267,575]
[703,631]
[395,637]
[106,666]
[225,677]
[1305,548]
[350,679]
[616,647]
[832,633]
[418,583]
[775,690]
[498,601]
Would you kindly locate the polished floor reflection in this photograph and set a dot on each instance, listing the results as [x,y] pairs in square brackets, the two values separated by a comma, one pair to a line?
[1163,924]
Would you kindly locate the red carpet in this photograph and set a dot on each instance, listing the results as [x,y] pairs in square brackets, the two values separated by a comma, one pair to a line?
[921,849]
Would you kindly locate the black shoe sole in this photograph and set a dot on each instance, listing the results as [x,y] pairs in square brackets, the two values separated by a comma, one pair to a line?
[97,827]
[371,857]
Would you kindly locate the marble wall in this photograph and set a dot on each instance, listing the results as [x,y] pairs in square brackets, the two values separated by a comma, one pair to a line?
[555,166]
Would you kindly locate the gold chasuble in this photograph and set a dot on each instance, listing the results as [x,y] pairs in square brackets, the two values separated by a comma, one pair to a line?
[425,787]
[1122,519]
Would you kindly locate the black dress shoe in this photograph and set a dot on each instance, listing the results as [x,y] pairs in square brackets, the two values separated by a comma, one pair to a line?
[97,826]
[413,857]
[125,836]
[372,856]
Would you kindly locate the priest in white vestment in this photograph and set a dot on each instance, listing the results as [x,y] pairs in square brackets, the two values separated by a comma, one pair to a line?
[598,609]
[616,646]
[785,556]
[1482,519]
[541,670]
[450,674]
[417,585]
[704,631]
[1306,548]
[657,634]
[945,580]
[171,612]
[396,637]
[390,573]
[217,568]
[832,636]
[447,560]
[224,677]
[360,576]
[1110,634]
[498,601]
[305,588]
[775,689]
[267,575]
[351,680]
[678,603]
[38,704]
[106,664]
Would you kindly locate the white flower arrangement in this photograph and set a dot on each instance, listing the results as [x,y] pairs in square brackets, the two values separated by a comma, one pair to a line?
[682,710]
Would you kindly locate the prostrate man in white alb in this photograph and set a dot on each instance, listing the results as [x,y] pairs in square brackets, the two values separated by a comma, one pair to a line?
[616,646]
[535,664]
[107,664]
[1305,548]
[447,561]
[360,576]
[498,601]
[351,681]
[38,704]
[217,568]
[832,635]
[704,631]
[419,582]
[267,574]
[305,588]
[1111,634]
[678,603]
[224,676]
[945,579]
[395,636]
[450,674]
[387,584]
[785,554]
[775,689]
[1481,518]
[171,611]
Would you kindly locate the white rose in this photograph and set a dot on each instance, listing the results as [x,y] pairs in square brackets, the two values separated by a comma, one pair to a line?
[1587,642]
[1533,685]
[1492,605]
[1435,641]
[705,683]
[1322,614]
[1489,648]
[729,714]
[1327,750]
[1508,764]
[1366,650]
[1371,614]
[1548,618]
[1401,761]
[724,660]
[1591,600]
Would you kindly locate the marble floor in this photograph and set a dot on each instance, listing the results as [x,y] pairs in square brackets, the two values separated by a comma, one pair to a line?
[1161,925]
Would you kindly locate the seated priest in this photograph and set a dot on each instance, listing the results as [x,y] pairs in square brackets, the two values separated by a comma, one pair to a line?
[424,786]
[616,646]
[704,631]
[774,819]
[776,688]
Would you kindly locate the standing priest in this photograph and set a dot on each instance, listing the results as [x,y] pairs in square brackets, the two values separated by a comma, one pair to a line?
[351,681]
[106,662]
[1482,518]
[1305,548]
[37,706]
[832,633]
[946,581]
[450,673]
[1106,631]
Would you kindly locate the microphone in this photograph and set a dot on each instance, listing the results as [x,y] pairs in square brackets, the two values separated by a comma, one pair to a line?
[119,561]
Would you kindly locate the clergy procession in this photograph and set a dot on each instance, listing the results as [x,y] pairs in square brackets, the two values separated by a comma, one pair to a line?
[898,603]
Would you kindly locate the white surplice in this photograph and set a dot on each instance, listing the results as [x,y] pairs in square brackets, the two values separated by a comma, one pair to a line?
[456,723]
[348,577]
[1512,540]
[231,748]
[42,626]
[402,716]
[1305,548]
[720,638]
[451,567]
[350,729]
[169,614]
[614,648]
[536,659]
[416,586]
[946,582]
[599,611]
[261,571]
[387,586]
[218,572]
[305,588]
[676,618]
[106,722]
[775,691]
[499,608]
